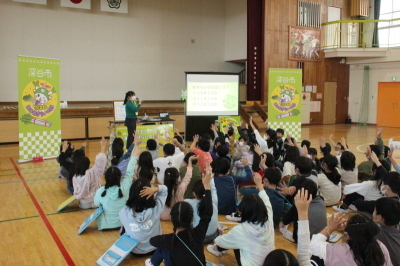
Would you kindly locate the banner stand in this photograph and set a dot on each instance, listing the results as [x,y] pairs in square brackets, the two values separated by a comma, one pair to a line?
[38,108]
[284,100]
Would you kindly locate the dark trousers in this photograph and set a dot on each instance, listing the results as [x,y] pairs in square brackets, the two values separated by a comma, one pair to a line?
[161,255]
[130,123]
[365,205]
[351,198]
[237,254]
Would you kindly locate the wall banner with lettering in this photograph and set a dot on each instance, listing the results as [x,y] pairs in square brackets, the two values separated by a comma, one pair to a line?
[284,100]
[165,133]
[38,107]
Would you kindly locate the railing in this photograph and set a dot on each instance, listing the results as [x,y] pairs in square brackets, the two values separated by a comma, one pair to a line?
[360,33]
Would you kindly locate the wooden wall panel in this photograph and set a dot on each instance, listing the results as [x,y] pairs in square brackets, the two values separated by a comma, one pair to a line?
[73,128]
[97,126]
[10,131]
[179,122]
[279,15]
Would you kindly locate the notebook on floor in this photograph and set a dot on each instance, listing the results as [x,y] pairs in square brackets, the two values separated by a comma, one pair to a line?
[335,237]
[65,204]
[90,219]
[118,251]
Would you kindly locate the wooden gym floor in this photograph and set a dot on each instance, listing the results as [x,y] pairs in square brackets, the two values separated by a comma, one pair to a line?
[33,233]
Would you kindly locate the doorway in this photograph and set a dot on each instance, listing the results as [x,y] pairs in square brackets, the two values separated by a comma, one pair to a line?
[329,103]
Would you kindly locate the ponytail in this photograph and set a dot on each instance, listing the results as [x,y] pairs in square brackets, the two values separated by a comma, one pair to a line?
[113,178]
[331,163]
[170,180]
[127,95]
[120,195]
[362,233]
[117,150]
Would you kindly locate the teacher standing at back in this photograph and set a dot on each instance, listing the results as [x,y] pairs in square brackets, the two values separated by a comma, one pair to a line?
[132,106]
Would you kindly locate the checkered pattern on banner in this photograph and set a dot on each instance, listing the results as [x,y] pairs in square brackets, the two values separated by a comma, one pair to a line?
[291,128]
[46,144]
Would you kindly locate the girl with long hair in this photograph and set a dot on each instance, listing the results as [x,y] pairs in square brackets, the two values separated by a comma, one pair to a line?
[185,245]
[329,184]
[114,194]
[176,190]
[360,246]
[145,167]
[140,217]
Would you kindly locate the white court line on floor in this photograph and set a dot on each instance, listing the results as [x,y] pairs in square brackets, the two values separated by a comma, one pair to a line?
[362,151]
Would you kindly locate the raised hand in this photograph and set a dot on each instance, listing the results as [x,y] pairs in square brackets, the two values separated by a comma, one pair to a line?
[103,144]
[285,190]
[390,153]
[257,149]
[148,192]
[65,145]
[322,142]
[191,159]
[343,142]
[304,151]
[206,178]
[379,132]
[302,201]
[368,152]
[251,122]
[375,158]
[336,222]
[257,178]
[262,161]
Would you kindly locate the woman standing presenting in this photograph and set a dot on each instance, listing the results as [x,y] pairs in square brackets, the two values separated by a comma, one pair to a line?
[131,108]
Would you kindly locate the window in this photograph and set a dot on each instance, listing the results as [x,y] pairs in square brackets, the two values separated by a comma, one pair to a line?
[389,32]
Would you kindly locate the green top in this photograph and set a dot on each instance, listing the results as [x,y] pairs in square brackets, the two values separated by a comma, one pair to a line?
[131,108]
[381,146]
[196,176]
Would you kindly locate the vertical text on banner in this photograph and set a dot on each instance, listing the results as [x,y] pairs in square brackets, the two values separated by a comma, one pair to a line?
[284,100]
[38,107]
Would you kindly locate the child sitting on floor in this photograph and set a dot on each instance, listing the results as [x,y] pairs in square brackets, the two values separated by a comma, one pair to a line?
[254,237]
[114,194]
[185,245]
[86,181]
[141,217]
[176,190]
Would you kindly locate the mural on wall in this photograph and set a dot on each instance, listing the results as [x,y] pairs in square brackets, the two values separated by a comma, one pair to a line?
[304,44]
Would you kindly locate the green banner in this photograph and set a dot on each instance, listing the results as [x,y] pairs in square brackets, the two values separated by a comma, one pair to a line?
[39,107]
[165,134]
[229,121]
[284,100]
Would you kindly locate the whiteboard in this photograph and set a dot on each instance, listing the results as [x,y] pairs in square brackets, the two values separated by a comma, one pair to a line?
[119,111]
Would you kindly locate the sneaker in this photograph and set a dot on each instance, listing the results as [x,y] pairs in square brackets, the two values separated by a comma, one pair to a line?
[353,208]
[340,208]
[235,216]
[148,262]
[210,248]
[287,233]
